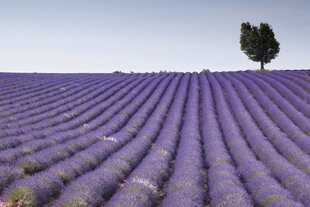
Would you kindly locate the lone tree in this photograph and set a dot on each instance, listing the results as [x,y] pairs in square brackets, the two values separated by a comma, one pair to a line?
[259,44]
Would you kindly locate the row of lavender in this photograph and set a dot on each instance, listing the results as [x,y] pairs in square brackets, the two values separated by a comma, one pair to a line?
[231,139]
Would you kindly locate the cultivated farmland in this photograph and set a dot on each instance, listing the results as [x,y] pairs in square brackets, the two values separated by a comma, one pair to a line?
[229,139]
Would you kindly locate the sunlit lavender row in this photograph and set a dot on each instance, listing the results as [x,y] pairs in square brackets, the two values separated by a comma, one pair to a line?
[223,139]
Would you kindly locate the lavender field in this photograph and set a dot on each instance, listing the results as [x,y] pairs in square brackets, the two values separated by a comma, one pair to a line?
[223,139]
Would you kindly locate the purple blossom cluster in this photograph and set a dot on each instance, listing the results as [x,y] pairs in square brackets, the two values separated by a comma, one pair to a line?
[224,185]
[290,176]
[294,114]
[280,118]
[301,76]
[104,180]
[72,105]
[8,174]
[60,89]
[22,105]
[296,80]
[290,90]
[101,113]
[260,183]
[287,147]
[34,162]
[31,92]
[186,185]
[144,183]
[95,153]
[229,139]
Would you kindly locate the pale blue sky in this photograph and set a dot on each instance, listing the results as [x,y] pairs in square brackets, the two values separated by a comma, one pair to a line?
[147,35]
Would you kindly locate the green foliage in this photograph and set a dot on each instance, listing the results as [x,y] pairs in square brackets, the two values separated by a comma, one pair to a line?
[259,44]
[30,166]
[222,201]
[21,196]
[271,198]
[78,202]
[205,70]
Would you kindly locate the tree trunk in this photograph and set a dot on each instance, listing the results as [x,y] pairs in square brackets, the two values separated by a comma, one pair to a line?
[262,65]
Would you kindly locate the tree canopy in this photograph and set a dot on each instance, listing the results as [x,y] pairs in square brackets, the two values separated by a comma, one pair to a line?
[259,44]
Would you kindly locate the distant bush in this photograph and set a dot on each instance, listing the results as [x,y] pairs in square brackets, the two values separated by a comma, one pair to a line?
[205,70]
[117,71]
